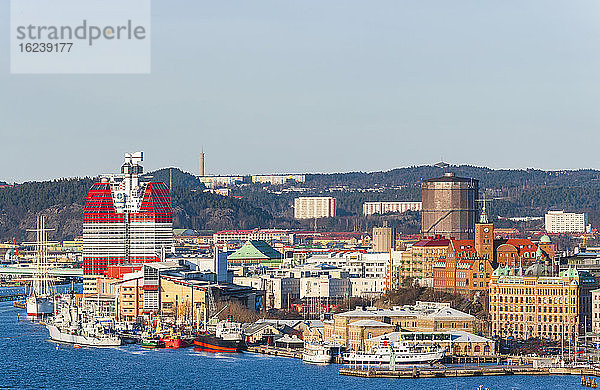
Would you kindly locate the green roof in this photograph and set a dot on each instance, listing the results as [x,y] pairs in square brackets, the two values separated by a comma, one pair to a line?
[255,249]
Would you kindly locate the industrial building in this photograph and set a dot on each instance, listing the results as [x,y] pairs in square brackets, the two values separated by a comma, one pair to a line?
[449,206]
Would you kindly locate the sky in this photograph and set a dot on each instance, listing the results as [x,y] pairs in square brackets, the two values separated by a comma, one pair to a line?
[322,86]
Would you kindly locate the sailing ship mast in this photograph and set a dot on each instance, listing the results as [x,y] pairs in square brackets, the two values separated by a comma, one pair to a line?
[42,283]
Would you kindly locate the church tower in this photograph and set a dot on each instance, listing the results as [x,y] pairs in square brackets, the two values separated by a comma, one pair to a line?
[484,236]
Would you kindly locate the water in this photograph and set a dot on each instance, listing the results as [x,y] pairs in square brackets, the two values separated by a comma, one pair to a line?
[29,361]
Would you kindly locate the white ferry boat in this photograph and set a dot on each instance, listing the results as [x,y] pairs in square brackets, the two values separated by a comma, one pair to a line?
[397,354]
[316,354]
[321,353]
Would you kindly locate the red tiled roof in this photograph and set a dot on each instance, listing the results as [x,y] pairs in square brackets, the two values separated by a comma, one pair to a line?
[437,241]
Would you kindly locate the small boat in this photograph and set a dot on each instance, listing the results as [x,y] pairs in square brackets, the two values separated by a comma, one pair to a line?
[316,354]
[152,342]
[321,353]
[174,341]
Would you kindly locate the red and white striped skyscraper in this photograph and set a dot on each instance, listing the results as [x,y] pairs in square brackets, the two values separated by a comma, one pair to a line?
[125,221]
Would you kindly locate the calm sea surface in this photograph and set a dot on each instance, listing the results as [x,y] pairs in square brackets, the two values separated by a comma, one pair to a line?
[29,361]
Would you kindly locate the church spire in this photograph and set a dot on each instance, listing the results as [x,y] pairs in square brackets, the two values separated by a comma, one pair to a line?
[483,218]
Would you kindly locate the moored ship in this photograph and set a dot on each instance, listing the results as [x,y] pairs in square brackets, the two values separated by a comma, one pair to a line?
[397,354]
[320,353]
[227,338]
[75,326]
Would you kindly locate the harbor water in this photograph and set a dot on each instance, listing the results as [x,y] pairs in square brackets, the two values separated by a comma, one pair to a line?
[29,361]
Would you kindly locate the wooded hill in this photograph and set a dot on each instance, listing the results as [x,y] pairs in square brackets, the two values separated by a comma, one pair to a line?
[513,192]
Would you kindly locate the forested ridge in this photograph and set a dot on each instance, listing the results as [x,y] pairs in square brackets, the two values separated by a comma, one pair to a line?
[526,192]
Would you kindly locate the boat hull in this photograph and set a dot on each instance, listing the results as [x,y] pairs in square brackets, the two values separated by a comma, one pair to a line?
[57,335]
[174,343]
[38,307]
[209,343]
[316,359]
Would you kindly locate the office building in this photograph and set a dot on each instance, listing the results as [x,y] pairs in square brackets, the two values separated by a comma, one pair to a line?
[125,221]
[537,302]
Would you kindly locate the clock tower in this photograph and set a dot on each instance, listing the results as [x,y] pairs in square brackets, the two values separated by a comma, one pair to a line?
[484,236]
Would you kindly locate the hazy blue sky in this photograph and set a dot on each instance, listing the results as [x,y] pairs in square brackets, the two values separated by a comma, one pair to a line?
[323,86]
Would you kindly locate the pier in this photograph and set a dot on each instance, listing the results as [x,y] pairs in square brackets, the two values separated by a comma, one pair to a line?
[465,371]
[283,352]
[12,297]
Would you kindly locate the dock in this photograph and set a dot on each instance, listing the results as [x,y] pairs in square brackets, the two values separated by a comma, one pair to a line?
[12,297]
[464,371]
[274,351]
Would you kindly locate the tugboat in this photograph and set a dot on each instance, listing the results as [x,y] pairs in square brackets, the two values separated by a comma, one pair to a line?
[227,338]
[218,336]
[79,327]
[174,340]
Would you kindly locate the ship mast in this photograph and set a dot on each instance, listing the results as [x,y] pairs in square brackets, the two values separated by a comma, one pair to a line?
[42,283]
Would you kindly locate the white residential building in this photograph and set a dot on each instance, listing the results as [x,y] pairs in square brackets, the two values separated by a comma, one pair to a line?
[224,236]
[358,265]
[561,222]
[367,287]
[314,207]
[370,208]
[278,179]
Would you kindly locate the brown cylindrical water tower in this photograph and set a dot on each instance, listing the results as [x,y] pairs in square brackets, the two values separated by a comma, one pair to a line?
[449,206]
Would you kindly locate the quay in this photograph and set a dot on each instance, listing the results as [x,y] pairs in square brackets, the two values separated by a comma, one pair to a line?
[12,297]
[466,371]
[274,351]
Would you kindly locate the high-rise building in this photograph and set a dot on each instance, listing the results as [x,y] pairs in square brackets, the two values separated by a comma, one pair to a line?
[125,221]
[449,206]
[314,207]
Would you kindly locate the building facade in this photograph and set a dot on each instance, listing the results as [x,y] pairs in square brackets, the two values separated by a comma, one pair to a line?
[384,239]
[125,221]
[371,208]
[421,317]
[449,206]
[561,222]
[536,302]
[314,207]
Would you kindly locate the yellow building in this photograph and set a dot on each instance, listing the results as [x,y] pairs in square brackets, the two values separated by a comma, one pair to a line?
[182,300]
[421,317]
[531,302]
